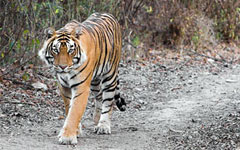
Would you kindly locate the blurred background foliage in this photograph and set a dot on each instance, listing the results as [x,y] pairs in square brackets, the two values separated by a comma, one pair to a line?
[146,24]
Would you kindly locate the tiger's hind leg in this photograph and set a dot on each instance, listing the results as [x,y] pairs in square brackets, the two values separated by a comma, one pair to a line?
[97,92]
[108,87]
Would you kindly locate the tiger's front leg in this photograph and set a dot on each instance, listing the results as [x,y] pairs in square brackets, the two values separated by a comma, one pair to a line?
[78,102]
[66,96]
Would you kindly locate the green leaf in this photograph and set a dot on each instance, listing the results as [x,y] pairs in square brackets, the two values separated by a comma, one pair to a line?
[195,39]
[25,76]
[2,55]
[35,7]
[238,9]
[56,11]
[136,41]
[150,10]
[37,41]
[25,32]
[18,44]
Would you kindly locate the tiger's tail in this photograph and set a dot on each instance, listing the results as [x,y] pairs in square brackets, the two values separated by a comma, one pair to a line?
[120,102]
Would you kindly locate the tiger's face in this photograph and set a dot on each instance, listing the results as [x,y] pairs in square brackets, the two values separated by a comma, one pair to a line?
[63,54]
[62,51]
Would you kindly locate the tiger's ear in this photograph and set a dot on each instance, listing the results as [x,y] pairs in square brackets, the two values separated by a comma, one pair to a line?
[49,32]
[76,32]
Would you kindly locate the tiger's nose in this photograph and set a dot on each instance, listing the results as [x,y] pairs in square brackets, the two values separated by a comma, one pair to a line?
[63,66]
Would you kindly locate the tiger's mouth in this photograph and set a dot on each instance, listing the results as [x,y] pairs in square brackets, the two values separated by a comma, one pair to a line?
[62,69]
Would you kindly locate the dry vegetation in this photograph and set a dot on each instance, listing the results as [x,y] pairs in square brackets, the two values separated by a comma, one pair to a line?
[146,24]
[153,30]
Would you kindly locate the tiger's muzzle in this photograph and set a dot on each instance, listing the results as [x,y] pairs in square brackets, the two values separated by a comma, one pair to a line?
[62,68]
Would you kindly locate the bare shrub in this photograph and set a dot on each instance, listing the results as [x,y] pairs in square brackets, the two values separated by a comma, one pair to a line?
[152,23]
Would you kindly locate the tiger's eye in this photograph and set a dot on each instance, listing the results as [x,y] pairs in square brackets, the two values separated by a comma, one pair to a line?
[70,50]
[55,50]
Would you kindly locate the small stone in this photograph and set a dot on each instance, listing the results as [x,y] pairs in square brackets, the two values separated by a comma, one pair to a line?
[40,86]
[231,81]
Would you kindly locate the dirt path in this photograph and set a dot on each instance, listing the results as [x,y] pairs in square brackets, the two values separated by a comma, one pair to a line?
[179,109]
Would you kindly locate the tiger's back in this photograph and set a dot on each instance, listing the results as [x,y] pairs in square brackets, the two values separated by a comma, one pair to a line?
[107,36]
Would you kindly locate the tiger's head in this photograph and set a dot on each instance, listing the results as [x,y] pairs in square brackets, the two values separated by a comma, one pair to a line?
[62,50]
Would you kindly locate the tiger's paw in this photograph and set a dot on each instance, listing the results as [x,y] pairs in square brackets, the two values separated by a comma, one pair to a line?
[80,132]
[103,128]
[67,139]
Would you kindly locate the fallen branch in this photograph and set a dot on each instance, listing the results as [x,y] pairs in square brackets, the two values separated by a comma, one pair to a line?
[209,57]
[28,86]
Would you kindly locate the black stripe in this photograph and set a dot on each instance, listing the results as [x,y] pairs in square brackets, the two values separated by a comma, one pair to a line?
[109,90]
[99,97]
[106,52]
[64,86]
[113,84]
[113,51]
[66,96]
[93,83]
[78,59]
[79,71]
[109,33]
[48,57]
[93,90]
[107,99]
[106,111]
[78,51]
[77,95]
[63,39]
[50,45]
[88,26]
[64,80]
[79,83]
[118,82]
[109,77]
[110,23]
[111,66]
[100,47]
[95,73]
[108,26]
[63,35]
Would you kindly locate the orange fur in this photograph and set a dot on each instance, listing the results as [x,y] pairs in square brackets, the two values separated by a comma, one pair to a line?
[95,45]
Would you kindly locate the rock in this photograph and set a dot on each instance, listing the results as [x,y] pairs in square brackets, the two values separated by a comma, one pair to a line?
[2,115]
[231,81]
[40,86]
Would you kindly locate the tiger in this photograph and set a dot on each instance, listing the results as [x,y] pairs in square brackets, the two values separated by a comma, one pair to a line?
[85,58]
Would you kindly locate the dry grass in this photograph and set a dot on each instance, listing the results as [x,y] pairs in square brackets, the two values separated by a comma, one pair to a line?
[152,24]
